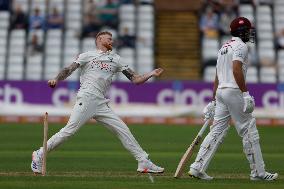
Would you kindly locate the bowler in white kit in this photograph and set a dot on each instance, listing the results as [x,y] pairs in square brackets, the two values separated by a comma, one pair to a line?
[231,99]
[97,69]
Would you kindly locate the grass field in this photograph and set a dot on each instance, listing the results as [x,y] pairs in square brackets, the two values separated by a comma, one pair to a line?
[94,158]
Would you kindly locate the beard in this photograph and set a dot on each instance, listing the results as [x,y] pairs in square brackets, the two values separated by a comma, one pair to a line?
[108,46]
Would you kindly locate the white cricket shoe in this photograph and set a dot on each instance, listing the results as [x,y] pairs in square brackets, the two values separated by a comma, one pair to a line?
[146,166]
[267,177]
[200,175]
[36,164]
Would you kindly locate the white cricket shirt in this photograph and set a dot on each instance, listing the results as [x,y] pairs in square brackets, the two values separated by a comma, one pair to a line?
[97,70]
[235,49]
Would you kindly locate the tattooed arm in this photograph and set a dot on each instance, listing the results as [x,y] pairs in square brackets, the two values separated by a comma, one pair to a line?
[139,79]
[63,74]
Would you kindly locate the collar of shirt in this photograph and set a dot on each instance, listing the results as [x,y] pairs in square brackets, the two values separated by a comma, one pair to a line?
[99,51]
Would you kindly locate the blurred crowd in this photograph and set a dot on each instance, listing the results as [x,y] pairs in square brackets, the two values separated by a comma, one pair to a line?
[97,14]
[216,15]
[215,19]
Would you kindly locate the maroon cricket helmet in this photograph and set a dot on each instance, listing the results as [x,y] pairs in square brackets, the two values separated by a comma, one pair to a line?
[241,27]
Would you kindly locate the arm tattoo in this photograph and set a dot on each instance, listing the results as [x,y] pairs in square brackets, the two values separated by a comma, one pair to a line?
[67,71]
[129,73]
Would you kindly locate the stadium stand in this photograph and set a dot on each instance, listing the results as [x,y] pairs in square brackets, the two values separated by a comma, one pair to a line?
[37,51]
[4,25]
[264,57]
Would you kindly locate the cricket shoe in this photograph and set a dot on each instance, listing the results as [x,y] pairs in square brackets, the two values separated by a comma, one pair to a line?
[267,177]
[146,166]
[200,175]
[36,164]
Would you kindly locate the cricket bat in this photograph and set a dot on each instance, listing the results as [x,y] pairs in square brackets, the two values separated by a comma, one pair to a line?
[186,156]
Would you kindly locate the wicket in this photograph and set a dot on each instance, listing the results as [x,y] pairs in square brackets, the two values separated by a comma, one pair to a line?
[45,135]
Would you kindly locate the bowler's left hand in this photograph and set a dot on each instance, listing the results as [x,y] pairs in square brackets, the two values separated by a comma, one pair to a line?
[157,72]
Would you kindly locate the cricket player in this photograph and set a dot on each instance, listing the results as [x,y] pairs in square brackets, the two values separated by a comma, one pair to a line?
[97,69]
[231,99]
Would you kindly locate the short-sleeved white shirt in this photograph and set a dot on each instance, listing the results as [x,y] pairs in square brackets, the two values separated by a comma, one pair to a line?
[235,49]
[97,70]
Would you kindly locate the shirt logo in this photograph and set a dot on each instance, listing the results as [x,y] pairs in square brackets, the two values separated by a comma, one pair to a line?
[110,58]
[102,66]
[241,22]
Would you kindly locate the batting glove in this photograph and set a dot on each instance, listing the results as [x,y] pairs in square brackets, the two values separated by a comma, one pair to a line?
[249,103]
[209,110]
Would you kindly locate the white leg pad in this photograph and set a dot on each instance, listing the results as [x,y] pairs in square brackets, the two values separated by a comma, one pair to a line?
[208,148]
[252,149]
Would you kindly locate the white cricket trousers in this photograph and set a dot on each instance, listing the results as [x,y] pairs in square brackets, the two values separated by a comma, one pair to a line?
[229,104]
[88,106]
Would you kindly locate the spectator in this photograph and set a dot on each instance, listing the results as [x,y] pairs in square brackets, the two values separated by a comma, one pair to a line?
[36,20]
[91,8]
[109,14]
[216,7]
[91,26]
[55,20]
[280,39]
[230,5]
[209,24]
[226,18]
[34,46]
[126,39]
[19,18]
[92,11]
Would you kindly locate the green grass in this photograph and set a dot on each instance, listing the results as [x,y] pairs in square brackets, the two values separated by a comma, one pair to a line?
[94,158]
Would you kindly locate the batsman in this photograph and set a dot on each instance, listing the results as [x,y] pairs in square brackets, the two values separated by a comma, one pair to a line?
[231,100]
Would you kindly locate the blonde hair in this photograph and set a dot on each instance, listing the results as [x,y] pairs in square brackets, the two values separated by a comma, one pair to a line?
[102,33]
